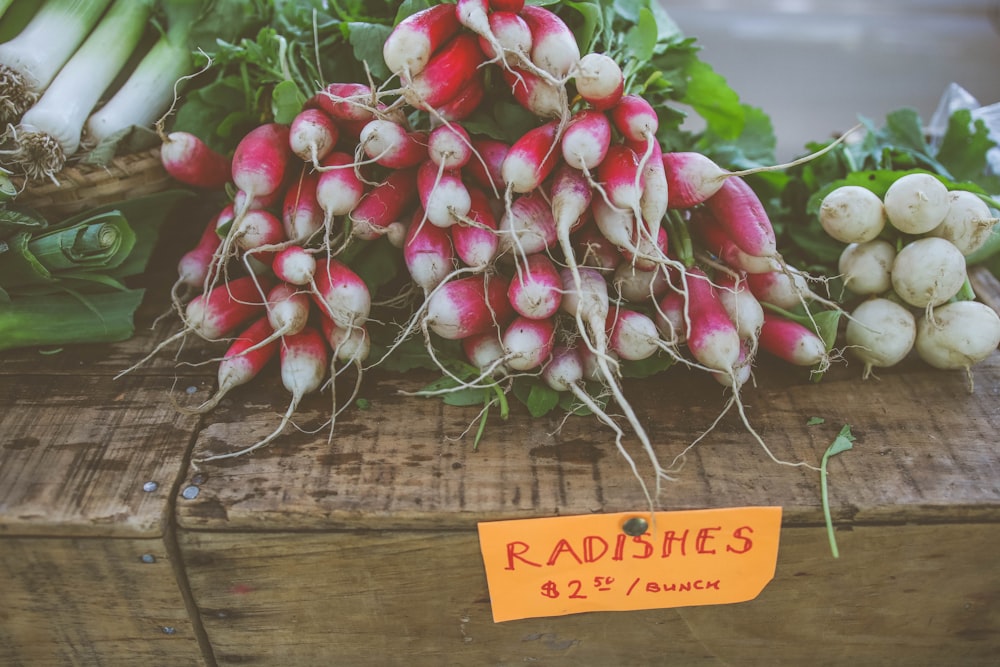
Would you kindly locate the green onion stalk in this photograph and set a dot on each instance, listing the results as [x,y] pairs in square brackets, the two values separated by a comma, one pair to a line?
[50,131]
[30,61]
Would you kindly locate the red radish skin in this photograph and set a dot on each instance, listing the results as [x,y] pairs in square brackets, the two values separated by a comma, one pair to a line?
[691,178]
[571,197]
[635,118]
[301,214]
[531,158]
[260,161]
[312,134]
[620,177]
[194,266]
[783,289]
[449,146]
[244,360]
[341,294]
[638,286]
[485,168]
[351,102]
[476,241]
[535,292]
[391,145]
[257,230]
[528,227]
[217,313]
[671,317]
[484,351]
[586,139]
[655,199]
[384,204]
[591,248]
[528,343]
[303,367]
[468,306]
[743,308]
[599,80]
[632,335]
[712,337]
[443,195]
[536,94]
[553,45]
[465,103]
[649,253]
[718,242]
[792,342]
[514,6]
[191,161]
[564,370]
[428,254]
[294,265]
[448,71]
[410,45]
[338,189]
[738,209]
[513,36]
[474,15]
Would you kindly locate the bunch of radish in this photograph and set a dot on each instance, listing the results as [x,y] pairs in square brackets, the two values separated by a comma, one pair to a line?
[905,259]
[566,255]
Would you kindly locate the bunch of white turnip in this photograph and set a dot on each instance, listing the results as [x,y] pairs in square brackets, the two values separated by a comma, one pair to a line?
[906,256]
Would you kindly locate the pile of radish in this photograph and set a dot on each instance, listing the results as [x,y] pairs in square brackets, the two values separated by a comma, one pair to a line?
[564,256]
[905,259]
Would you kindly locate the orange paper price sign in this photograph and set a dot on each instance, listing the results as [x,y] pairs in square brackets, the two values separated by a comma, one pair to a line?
[618,562]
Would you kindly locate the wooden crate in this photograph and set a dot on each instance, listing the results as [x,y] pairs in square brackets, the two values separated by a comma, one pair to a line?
[362,549]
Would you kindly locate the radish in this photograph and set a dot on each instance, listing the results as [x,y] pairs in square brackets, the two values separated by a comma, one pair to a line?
[294,265]
[528,227]
[349,346]
[852,214]
[599,80]
[191,161]
[218,313]
[351,102]
[535,292]
[635,119]
[927,272]
[528,342]
[784,289]
[591,248]
[621,178]
[428,254]
[654,201]
[962,334]
[866,267]
[413,41]
[338,188]
[260,161]
[301,213]
[792,342]
[712,338]
[880,333]
[341,294]
[465,102]
[486,169]
[449,146]
[194,266]
[473,14]
[512,35]
[571,197]
[671,318]
[445,74]
[485,351]
[717,241]
[389,144]
[244,359]
[586,139]
[257,230]
[638,286]
[565,370]
[538,95]
[468,306]
[632,335]
[384,204]
[742,307]
[738,209]
[443,195]
[303,367]
[967,224]
[531,158]
[616,224]
[475,239]
[553,46]
[649,253]
[916,203]
[507,5]
[312,134]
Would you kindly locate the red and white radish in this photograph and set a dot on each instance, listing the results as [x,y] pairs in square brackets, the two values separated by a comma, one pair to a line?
[413,41]
[191,161]
[535,291]
[599,80]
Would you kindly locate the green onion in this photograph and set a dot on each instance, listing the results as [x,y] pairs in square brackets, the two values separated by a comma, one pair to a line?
[30,61]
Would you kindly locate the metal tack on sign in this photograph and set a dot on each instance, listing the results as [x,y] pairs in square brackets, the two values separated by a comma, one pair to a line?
[635,526]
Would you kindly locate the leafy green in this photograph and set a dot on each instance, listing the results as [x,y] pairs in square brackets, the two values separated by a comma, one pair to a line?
[842,443]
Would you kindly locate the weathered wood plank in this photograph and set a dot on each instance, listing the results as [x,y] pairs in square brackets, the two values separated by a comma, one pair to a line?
[76,454]
[92,602]
[920,595]
[925,451]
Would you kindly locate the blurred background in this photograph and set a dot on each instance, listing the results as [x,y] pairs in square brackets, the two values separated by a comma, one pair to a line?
[814,65]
